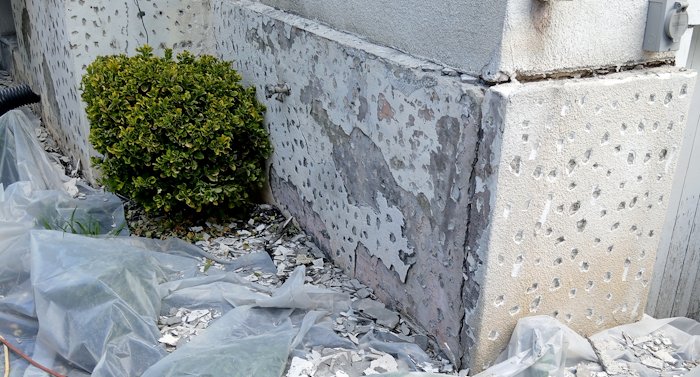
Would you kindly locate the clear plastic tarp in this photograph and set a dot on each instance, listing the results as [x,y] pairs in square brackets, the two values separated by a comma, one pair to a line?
[88,303]
[84,300]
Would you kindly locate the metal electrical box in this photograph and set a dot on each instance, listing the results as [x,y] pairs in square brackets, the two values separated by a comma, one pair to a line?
[667,20]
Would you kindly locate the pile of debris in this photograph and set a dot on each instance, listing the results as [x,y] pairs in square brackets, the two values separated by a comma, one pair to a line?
[182,324]
[268,231]
[655,351]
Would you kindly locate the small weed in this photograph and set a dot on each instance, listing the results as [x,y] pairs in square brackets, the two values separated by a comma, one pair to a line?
[208,264]
[88,227]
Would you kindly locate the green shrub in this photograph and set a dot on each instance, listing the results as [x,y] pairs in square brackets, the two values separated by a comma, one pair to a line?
[176,135]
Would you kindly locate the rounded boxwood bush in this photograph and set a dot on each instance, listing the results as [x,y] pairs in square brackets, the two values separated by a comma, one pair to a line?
[175,135]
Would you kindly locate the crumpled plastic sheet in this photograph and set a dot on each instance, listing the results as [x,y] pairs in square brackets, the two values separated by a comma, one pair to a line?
[38,193]
[541,345]
[409,354]
[21,156]
[87,304]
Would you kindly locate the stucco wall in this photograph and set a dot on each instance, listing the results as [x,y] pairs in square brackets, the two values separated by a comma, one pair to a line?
[571,194]
[496,39]
[373,154]
[550,36]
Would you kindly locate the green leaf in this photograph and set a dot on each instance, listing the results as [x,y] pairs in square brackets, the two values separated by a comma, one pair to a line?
[177,134]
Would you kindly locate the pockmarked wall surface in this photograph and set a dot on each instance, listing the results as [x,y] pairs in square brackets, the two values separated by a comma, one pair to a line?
[43,35]
[373,153]
[571,190]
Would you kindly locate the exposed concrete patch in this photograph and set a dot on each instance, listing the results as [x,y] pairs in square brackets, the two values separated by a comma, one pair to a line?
[572,182]
[26,31]
[377,145]
[286,193]
[483,180]
[50,96]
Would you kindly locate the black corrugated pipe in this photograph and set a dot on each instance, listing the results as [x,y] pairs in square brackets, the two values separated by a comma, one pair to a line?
[12,98]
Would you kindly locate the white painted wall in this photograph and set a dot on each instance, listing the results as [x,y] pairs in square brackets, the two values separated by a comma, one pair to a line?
[541,36]
[488,37]
[694,12]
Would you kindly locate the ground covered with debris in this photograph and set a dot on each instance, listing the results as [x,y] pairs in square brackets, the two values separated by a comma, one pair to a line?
[367,320]
[249,296]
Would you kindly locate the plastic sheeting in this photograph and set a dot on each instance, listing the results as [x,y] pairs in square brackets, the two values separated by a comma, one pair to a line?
[82,300]
[21,156]
[96,303]
[83,304]
[543,346]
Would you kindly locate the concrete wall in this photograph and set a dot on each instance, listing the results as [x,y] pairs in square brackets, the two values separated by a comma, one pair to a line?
[496,39]
[571,191]
[47,64]
[58,39]
[553,36]
[373,154]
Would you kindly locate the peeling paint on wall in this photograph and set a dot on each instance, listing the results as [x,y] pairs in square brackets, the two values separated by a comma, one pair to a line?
[373,154]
